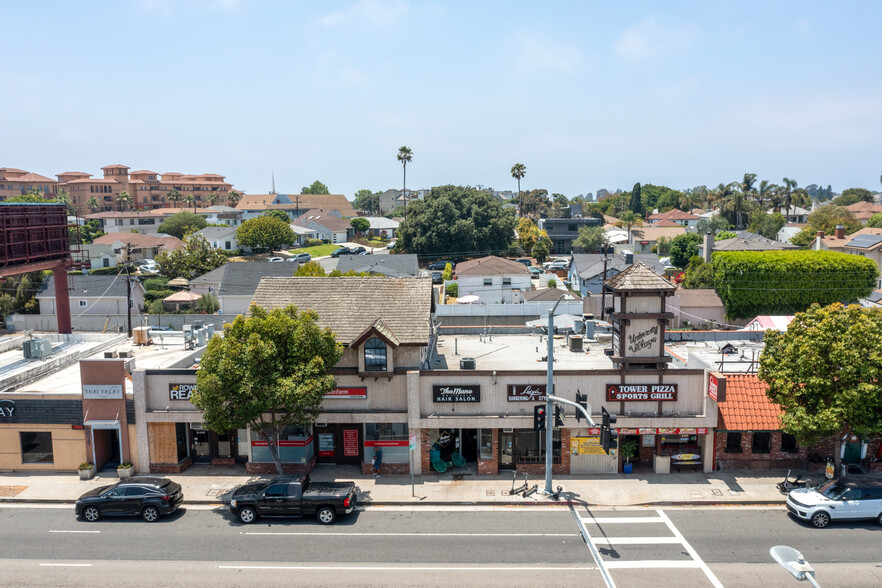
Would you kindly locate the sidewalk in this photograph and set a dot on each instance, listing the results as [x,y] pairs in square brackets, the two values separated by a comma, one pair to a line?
[205,485]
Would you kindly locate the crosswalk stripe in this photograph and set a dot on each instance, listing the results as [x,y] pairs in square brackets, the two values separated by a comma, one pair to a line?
[653,563]
[635,540]
[608,520]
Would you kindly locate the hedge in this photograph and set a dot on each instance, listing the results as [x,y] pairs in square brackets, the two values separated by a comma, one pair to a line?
[753,283]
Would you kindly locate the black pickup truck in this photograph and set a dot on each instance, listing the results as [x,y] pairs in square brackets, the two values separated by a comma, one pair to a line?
[293,496]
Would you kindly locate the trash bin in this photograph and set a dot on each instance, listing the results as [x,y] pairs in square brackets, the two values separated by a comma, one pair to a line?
[662,464]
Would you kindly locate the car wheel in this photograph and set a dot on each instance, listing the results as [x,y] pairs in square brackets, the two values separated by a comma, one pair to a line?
[879,518]
[91,513]
[150,513]
[326,515]
[820,519]
[247,515]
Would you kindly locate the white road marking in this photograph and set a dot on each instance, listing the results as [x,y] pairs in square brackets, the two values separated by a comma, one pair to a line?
[653,563]
[347,534]
[707,572]
[66,565]
[413,568]
[634,540]
[608,520]
[67,531]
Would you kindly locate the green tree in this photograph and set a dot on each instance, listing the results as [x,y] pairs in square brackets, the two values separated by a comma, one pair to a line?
[213,198]
[315,188]
[269,371]
[234,197]
[541,249]
[447,274]
[181,223]
[311,269]
[559,203]
[518,171]
[636,205]
[698,274]
[455,221]
[124,200]
[722,235]
[684,247]
[195,258]
[535,202]
[64,198]
[279,214]
[851,196]
[265,231]
[208,303]
[825,373]
[592,239]
[875,221]
[629,219]
[362,225]
[367,201]
[190,200]
[528,233]
[663,246]
[452,289]
[174,197]
[405,156]
[93,205]
[767,225]
[826,218]
[713,225]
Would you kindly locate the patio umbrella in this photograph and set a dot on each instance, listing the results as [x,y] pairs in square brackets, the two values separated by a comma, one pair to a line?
[468,299]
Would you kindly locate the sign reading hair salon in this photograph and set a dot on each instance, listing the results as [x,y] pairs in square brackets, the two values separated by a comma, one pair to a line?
[640,392]
[527,393]
[457,393]
[102,391]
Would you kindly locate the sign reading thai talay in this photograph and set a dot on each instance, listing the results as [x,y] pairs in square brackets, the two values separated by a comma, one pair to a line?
[640,392]
[181,391]
[458,393]
[354,393]
[527,393]
[7,407]
[102,391]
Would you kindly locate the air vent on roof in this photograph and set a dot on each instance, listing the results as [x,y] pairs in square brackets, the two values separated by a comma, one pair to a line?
[111,354]
[467,363]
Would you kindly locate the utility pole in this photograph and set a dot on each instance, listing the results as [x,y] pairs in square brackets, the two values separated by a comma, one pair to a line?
[602,289]
[549,391]
[128,290]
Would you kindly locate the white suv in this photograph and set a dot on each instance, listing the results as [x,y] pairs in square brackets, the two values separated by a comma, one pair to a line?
[837,500]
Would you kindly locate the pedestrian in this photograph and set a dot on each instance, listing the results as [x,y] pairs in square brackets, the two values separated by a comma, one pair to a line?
[378,461]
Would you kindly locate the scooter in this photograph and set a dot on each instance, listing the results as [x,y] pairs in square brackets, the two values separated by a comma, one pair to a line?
[787,485]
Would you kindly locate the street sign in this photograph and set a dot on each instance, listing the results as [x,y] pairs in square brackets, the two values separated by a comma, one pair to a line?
[412,441]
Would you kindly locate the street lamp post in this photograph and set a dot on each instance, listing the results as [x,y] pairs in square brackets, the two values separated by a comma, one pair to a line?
[549,390]
[793,561]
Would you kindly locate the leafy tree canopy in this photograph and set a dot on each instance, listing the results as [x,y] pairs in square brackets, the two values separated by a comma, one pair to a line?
[367,201]
[30,198]
[853,195]
[875,221]
[826,218]
[825,372]
[315,188]
[767,225]
[725,235]
[360,224]
[279,214]
[265,231]
[698,274]
[181,223]
[542,248]
[456,221]
[195,258]
[527,233]
[592,239]
[535,202]
[684,247]
[269,371]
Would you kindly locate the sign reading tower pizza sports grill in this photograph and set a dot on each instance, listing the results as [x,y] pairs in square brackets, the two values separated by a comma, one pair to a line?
[640,392]
[456,393]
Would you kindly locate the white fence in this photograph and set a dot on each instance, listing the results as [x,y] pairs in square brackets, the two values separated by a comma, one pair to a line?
[527,309]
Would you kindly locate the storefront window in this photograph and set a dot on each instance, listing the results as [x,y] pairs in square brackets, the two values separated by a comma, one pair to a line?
[295,446]
[36,447]
[242,444]
[485,443]
[762,442]
[788,443]
[733,442]
[527,451]
[679,444]
[392,438]
[375,355]
[181,440]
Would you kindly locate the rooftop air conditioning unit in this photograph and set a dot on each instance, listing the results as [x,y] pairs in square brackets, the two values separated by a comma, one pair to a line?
[111,354]
[125,354]
[37,348]
[467,363]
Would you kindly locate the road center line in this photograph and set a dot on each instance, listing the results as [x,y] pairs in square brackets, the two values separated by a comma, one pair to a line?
[413,568]
[70,531]
[345,534]
[66,565]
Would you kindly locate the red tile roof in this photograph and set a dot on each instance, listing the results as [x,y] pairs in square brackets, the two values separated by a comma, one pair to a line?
[673,214]
[747,408]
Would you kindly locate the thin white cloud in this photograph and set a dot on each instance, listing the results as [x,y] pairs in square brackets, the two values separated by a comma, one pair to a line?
[354,77]
[649,39]
[542,54]
[374,12]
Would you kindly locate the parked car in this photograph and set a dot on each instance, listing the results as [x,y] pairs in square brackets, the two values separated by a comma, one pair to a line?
[293,496]
[536,271]
[437,278]
[359,250]
[341,251]
[525,260]
[390,244]
[837,500]
[556,265]
[146,496]
[441,264]
[275,260]
[300,258]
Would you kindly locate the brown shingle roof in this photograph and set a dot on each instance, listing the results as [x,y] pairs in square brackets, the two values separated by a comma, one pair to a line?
[349,305]
[140,240]
[298,201]
[652,233]
[548,294]
[665,222]
[490,266]
[747,408]
[639,277]
[673,214]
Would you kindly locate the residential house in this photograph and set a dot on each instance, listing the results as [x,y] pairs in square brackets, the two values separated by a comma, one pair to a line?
[866,242]
[392,199]
[793,214]
[254,205]
[18,182]
[234,283]
[142,221]
[395,266]
[766,322]
[492,279]
[563,231]
[675,215]
[548,295]
[644,238]
[864,211]
[98,255]
[304,234]
[382,227]
[699,307]
[789,231]
[93,295]
[222,215]
[755,243]
[220,237]
[135,246]
[329,224]
[586,274]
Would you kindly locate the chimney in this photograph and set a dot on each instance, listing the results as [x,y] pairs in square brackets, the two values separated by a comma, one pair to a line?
[839,231]
[819,240]
[629,258]
[707,247]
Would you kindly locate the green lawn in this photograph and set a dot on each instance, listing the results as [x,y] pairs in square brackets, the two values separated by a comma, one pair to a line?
[318,250]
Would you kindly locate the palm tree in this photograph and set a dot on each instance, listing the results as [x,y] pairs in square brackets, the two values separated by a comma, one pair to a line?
[93,204]
[518,171]
[64,198]
[768,194]
[190,199]
[732,203]
[213,198]
[174,196]
[124,199]
[791,195]
[234,197]
[405,155]
[629,219]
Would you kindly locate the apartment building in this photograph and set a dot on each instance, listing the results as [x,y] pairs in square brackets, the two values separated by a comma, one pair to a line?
[18,182]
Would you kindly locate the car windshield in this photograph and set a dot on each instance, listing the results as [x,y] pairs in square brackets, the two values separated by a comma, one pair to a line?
[833,489]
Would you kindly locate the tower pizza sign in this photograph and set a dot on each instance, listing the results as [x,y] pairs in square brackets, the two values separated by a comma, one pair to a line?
[640,392]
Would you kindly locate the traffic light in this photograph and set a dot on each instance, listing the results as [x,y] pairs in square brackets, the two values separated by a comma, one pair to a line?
[558,416]
[581,400]
[608,435]
[539,417]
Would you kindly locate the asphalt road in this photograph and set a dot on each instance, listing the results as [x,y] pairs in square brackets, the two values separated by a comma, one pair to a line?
[438,546]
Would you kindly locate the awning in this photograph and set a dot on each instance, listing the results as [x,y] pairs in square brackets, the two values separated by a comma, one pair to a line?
[97,424]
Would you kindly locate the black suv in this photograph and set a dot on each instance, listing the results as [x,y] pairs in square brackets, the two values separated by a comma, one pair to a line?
[441,264]
[144,496]
[341,251]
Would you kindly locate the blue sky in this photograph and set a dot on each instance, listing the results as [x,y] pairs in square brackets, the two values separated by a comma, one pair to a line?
[587,95]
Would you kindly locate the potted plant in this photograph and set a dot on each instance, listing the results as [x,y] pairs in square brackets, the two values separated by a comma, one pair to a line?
[125,470]
[87,470]
[628,449]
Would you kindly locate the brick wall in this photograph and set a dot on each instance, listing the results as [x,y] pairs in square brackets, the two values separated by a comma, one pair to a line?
[170,468]
[288,468]
[775,459]
[563,467]
[490,467]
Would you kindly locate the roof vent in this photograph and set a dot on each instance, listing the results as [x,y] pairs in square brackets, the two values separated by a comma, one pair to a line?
[467,363]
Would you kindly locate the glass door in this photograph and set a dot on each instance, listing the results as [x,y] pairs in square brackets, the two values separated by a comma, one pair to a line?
[506,451]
